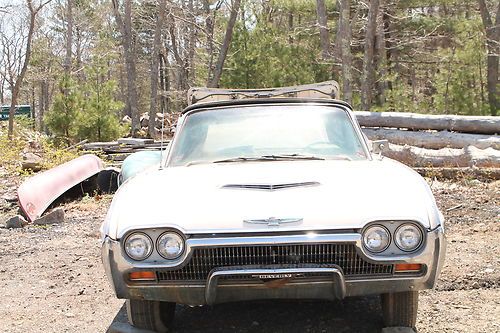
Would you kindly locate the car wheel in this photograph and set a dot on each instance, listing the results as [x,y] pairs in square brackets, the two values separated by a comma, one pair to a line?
[400,309]
[150,315]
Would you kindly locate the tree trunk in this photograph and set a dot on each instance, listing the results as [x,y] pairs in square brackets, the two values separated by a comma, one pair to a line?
[433,140]
[79,54]
[2,84]
[345,47]
[368,70]
[193,36]
[125,25]
[182,73]
[41,105]
[19,80]
[155,58]
[164,84]
[414,121]
[388,12]
[493,46]
[323,29]
[214,82]
[380,62]
[69,38]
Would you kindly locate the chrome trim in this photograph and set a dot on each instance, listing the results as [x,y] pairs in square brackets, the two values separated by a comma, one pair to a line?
[389,235]
[117,266]
[419,230]
[338,282]
[274,222]
[180,235]
[192,243]
[139,232]
[268,187]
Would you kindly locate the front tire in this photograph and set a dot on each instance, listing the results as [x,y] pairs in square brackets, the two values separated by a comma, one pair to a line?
[150,315]
[400,309]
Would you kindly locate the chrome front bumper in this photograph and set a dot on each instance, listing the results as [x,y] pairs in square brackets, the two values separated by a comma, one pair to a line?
[218,290]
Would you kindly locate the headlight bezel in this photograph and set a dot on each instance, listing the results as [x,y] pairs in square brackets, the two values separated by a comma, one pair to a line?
[151,245]
[393,249]
[182,242]
[365,232]
[420,232]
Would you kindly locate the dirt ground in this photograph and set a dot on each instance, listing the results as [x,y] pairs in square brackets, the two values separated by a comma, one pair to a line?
[51,278]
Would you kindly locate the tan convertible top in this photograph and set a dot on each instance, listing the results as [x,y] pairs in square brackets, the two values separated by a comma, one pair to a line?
[327,89]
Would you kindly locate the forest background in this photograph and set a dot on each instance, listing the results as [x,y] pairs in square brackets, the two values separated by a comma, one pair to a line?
[83,65]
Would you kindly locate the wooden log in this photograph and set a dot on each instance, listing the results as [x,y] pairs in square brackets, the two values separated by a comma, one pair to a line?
[433,140]
[415,121]
[98,145]
[446,157]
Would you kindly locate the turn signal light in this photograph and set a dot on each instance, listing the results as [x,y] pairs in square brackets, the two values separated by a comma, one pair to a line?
[407,267]
[142,276]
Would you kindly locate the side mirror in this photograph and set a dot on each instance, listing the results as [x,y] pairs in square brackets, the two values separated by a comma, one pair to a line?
[379,146]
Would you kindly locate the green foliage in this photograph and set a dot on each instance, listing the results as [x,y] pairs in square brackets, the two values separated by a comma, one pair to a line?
[458,86]
[263,57]
[98,120]
[88,110]
[450,80]
[68,103]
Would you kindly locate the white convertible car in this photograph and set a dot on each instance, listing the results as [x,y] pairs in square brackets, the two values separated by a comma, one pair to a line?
[270,194]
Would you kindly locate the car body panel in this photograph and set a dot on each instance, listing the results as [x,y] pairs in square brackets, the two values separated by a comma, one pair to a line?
[345,188]
[271,203]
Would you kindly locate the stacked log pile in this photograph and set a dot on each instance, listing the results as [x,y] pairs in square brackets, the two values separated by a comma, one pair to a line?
[436,141]
[117,151]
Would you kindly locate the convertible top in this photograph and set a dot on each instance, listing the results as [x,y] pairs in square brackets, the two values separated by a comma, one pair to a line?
[323,92]
[326,90]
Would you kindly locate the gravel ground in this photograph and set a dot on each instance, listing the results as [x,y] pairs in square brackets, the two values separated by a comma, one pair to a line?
[52,279]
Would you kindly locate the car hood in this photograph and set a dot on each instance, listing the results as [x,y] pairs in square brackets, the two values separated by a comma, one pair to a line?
[324,195]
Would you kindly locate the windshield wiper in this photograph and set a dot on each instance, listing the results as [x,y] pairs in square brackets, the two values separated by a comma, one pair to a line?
[240,159]
[280,157]
[292,157]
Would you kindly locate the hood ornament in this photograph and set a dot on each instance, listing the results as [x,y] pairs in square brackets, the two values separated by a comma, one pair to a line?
[274,222]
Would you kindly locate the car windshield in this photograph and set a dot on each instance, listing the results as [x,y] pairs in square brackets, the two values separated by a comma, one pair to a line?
[267,133]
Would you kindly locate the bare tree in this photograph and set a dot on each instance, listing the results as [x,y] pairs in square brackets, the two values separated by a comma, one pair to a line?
[323,29]
[155,64]
[69,37]
[124,23]
[493,46]
[368,63]
[345,48]
[19,66]
[214,82]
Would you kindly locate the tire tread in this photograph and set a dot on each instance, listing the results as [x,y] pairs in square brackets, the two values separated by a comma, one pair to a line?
[400,309]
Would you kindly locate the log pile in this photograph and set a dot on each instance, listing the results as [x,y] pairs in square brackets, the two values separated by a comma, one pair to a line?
[436,141]
[117,151]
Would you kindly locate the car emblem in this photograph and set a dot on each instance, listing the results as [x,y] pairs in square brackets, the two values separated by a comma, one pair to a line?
[274,222]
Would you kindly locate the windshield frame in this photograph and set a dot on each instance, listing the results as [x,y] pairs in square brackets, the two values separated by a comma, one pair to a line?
[202,108]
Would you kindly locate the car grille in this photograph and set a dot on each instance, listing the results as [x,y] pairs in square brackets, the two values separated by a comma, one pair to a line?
[342,255]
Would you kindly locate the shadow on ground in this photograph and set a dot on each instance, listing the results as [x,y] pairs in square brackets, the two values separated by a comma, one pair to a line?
[350,315]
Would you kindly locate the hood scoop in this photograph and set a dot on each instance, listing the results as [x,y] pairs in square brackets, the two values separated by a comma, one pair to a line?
[269,187]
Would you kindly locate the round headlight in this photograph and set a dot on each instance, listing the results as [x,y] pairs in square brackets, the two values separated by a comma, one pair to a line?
[376,238]
[408,237]
[138,246]
[170,245]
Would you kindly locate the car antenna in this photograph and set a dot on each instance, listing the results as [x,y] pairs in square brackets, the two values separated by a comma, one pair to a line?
[161,135]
